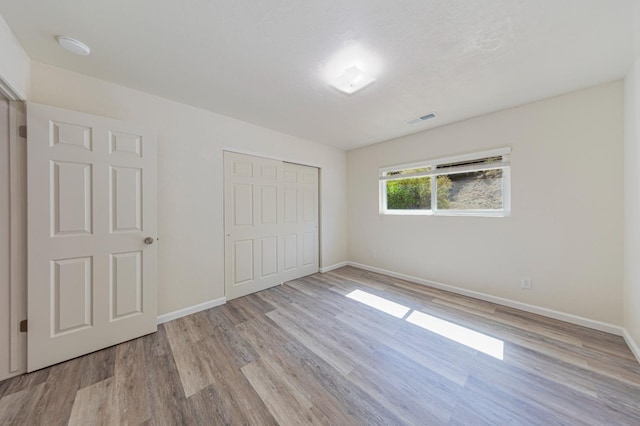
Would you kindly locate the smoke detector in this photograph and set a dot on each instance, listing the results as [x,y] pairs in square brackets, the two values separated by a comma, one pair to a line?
[74,46]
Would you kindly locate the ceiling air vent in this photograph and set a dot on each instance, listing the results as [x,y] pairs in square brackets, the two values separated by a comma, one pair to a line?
[421,119]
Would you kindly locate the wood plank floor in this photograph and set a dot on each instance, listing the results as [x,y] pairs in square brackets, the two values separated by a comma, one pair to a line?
[314,351]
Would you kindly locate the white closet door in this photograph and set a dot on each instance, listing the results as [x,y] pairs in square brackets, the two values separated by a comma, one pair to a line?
[271,223]
[252,220]
[91,230]
[300,224]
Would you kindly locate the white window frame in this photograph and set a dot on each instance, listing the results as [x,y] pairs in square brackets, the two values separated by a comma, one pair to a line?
[505,165]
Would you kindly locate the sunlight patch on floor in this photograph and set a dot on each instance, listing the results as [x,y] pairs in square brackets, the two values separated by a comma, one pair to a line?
[379,303]
[457,333]
[465,336]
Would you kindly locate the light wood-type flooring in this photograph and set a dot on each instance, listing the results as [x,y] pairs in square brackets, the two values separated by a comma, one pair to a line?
[313,351]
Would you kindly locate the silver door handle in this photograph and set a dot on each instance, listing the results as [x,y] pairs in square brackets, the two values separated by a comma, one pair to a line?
[148,240]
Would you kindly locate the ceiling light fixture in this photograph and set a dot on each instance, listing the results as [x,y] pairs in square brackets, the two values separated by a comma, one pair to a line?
[73,45]
[352,80]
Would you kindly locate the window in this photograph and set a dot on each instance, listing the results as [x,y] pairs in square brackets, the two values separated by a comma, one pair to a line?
[472,184]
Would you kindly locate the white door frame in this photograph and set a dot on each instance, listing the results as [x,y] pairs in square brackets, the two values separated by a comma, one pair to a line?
[18,242]
[8,92]
[17,161]
[16,341]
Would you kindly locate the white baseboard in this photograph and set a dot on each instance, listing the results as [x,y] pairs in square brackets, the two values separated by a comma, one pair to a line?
[191,310]
[631,343]
[332,267]
[562,316]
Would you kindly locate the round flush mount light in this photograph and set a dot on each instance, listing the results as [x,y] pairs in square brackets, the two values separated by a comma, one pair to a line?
[73,45]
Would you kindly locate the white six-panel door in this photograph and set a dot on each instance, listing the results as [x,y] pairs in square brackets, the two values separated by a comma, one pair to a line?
[91,202]
[300,221]
[271,223]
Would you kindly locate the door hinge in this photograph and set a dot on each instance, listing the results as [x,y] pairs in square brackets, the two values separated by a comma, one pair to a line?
[22,131]
[23,326]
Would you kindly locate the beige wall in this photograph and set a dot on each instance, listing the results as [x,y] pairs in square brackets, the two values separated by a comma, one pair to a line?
[190,145]
[565,230]
[632,194]
[14,63]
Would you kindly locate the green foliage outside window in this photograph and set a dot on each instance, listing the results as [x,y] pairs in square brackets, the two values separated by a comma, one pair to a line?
[415,193]
[459,186]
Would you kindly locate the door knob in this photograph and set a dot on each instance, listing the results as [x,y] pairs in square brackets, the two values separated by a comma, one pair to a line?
[148,240]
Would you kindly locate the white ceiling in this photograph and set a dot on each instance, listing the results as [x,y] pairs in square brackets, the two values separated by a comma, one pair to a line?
[266,61]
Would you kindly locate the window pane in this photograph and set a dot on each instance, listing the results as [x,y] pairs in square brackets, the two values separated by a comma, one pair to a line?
[470,191]
[409,194]
[408,171]
[487,160]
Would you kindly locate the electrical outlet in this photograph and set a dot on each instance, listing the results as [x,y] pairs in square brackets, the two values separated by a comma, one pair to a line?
[374,253]
[527,283]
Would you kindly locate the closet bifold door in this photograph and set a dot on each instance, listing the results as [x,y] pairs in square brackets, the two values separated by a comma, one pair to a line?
[270,222]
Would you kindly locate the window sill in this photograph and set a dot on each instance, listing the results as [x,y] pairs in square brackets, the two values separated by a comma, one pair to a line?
[445,213]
